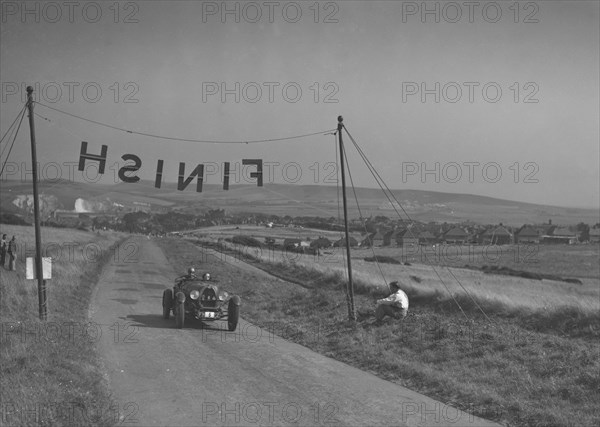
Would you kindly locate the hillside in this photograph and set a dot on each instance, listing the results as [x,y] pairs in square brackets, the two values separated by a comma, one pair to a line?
[298,200]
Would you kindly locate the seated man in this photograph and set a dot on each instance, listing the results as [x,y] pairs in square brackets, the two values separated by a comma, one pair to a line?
[206,277]
[396,305]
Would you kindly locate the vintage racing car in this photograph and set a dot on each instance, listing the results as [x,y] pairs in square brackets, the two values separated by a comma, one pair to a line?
[202,299]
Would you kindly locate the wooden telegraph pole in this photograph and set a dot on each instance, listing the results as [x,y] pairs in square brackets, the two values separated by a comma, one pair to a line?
[36,212]
[349,290]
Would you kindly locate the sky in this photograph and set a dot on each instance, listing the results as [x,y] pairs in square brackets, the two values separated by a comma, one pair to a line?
[495,98]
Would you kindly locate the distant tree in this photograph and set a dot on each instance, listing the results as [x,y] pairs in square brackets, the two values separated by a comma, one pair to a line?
[216,216]
[584,232]
[13,219]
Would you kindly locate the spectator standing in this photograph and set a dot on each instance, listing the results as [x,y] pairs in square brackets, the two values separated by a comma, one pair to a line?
[3,250]
[12,253]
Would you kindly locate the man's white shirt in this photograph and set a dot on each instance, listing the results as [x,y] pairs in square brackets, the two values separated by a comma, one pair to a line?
[398,299]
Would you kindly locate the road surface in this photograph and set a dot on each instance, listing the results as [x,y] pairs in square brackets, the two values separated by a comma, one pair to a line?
[162,376]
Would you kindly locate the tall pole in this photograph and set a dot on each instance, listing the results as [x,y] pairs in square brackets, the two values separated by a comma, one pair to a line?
[350,290]
[36,211]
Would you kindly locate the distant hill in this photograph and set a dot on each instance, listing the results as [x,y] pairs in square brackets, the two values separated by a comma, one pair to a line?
[301,200]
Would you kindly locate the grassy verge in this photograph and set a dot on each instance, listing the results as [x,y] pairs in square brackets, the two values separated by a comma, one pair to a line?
[515,367]
[562,320]
[51,374]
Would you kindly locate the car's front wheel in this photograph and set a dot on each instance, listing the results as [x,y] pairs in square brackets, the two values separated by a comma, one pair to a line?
[179,314]
[167,303]
[233,315]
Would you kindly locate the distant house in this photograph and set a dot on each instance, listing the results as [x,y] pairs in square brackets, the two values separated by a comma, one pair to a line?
[455,235]
[374,239]
[595,235]
[390,237]
[321,242]
[427,238]
[496,236]
[342,242]
[528,234]
[561,235]
[545,229]
[407,237]
[378,238]
[368,241]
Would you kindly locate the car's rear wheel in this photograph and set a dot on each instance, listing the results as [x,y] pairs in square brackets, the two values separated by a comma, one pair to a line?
[179,314]
[167,303]
[233,316]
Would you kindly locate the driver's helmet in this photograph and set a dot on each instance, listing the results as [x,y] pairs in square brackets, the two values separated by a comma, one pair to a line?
[191,271]
[206,276]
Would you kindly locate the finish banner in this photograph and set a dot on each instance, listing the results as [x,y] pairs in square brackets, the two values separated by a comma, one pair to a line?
[124,173]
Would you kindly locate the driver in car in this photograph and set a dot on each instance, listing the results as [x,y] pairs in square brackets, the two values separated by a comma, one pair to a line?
[191,274]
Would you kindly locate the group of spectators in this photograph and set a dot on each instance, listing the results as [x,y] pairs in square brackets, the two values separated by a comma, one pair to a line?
[8,248]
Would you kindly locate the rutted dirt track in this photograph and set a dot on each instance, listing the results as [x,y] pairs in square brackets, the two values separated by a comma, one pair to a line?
[205,376]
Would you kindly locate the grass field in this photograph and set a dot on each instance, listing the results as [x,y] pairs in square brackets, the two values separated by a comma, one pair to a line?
[50,372]
[518,365]
[439,272]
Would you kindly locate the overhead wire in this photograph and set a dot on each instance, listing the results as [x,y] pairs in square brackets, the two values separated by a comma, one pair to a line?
[373,171]
[13,123]
[363,222]
[13,141]
[380,182]
[378,179]
[170,138]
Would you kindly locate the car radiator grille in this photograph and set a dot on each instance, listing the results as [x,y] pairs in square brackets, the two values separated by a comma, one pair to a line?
[208,298]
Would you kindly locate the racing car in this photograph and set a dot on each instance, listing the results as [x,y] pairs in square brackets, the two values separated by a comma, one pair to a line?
[200,298]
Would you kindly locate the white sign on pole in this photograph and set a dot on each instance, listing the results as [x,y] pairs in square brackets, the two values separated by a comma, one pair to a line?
[46,268]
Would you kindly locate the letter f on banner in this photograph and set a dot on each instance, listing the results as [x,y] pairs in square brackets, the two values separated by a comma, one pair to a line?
[259,169]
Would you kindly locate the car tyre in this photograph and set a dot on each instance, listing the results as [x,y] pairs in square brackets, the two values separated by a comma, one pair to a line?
[167,303]
[233,315]
[179,315]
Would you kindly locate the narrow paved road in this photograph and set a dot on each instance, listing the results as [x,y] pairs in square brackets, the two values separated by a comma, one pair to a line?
[206,376]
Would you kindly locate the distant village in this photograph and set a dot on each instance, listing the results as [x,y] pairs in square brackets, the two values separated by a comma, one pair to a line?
[373,231]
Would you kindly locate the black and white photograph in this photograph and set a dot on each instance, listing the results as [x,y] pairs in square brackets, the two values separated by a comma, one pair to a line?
[299,213]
